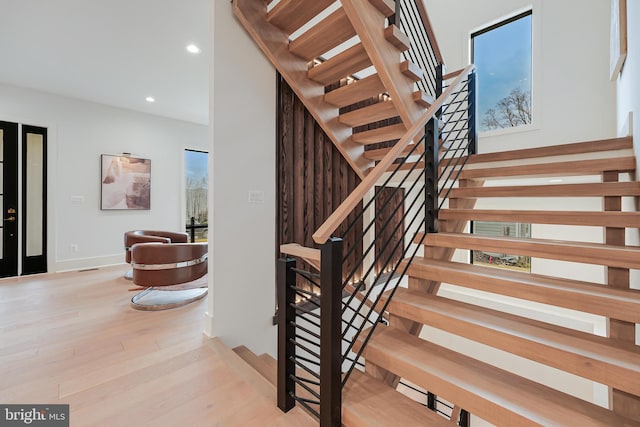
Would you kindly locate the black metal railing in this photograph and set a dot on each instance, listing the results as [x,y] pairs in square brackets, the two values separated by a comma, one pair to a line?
[192,228]
[322,341]
[411,17]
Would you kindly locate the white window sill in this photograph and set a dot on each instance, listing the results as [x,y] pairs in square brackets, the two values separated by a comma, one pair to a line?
[508,131]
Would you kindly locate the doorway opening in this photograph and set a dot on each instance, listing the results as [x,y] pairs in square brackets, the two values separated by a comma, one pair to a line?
[23,199]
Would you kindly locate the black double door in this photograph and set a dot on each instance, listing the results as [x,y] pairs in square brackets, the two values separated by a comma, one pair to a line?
[23,248]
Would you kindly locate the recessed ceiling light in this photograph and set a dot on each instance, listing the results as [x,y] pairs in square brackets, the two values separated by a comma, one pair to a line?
[553,181]
[150,99]
[192,48]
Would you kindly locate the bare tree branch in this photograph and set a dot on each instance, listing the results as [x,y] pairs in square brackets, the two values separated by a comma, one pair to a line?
[512,110]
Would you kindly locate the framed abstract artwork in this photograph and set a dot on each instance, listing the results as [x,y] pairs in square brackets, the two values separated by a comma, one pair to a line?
[618,37]
[125,182]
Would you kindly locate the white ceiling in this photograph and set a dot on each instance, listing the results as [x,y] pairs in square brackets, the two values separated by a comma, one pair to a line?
[114,52]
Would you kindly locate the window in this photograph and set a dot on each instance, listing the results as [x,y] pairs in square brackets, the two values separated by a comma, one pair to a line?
[197,188]
[501,260]
[502,55]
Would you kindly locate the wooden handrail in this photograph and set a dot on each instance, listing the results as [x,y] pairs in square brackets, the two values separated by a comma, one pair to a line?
[452,74]
[430,33]
[310,255]
[323,233]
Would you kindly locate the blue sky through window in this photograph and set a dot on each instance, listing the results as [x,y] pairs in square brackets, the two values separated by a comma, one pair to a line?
[197,166]
[503,60]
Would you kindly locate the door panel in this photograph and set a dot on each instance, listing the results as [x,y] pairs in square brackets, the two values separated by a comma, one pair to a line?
[9,192]
[34,200]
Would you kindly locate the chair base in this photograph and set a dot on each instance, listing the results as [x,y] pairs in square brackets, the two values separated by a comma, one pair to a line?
[129,275]
[155,299]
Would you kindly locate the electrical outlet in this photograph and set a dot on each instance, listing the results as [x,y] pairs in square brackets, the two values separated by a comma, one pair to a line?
[74,247]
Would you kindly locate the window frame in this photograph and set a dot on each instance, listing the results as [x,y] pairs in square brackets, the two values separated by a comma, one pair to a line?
[533,11]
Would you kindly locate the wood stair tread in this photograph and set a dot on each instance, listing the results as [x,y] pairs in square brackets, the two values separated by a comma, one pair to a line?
[355,92]
[386,7]
[573,294]
[491,393]
[612,144]
[344,64]
[379,154]
[412,71]
[592,253]
[423,99]
[396,37]
[369,402]
[586,218]
[259,363]
[568,168]
[582,354]
[324,36]
[596,189]
[372,113]
[290,15]
[381,134]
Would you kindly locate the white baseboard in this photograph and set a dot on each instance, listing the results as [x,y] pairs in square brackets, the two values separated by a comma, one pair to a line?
[208,324]
[83,263]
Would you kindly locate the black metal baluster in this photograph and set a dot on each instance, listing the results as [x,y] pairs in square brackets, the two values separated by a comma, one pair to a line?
[472,111]
[286,333]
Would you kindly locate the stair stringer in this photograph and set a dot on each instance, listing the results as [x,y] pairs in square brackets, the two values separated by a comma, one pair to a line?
[274,43]
[368,22]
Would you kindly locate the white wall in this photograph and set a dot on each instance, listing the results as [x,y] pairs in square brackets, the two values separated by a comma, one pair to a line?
[78,133]
[573,97]
[242,245]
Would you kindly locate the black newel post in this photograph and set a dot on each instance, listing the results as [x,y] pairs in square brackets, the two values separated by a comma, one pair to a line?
[286,332]
[395,18]
[431,142]
[465,419]
[472,112]
[331,333]
[432,401]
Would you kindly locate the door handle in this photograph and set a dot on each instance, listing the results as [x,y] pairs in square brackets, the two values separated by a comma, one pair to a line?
[10,219]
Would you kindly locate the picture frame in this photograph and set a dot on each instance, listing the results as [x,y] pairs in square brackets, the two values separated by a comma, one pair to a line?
[125,182]
[618,37]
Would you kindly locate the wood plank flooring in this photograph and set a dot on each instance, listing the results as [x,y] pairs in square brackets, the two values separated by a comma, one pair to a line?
[72,338]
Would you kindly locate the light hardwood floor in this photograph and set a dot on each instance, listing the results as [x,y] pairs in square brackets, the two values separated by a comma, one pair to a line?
[72,338]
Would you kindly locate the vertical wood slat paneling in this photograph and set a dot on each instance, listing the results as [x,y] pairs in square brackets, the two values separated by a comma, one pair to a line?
[387,238]
[285,162]
[313,177]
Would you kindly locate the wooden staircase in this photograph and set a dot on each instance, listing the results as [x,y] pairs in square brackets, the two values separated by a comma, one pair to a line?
[491,392]
[344,64]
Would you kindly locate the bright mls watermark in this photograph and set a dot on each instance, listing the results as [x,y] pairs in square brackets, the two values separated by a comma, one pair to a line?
[34,415]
